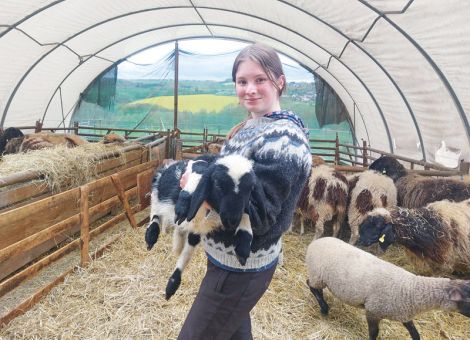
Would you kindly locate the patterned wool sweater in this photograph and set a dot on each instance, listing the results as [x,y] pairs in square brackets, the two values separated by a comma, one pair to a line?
[282,162]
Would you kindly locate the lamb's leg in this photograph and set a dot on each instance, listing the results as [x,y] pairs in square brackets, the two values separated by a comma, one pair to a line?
[319,228]
[175,279]
[337,223]
[410,326]
[165,224]
[314,216]
[302,225]
[243,238]
[152,232]
[318,293]
[179,240]
[354,234]
[373,324]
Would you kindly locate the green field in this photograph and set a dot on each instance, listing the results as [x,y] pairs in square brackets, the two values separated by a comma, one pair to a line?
[190,103]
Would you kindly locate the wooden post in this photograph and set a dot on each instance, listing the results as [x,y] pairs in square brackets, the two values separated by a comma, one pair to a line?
[178,149]
[364,154]
[337,160]
[38,127]
[175,91]
[167,145]
[144,181]
[464,167]
[122,196]
[84,226]
[204,140]
[76,126]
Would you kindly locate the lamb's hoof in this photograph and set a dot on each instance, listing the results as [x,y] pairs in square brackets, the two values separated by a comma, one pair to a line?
[243,246]
[151,235]
[173,284]
[242,259]
[182,206]
[324,309]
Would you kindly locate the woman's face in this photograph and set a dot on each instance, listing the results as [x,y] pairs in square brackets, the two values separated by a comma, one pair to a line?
[255,90]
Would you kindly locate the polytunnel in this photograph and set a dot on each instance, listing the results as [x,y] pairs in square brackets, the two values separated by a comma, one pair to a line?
[401,67]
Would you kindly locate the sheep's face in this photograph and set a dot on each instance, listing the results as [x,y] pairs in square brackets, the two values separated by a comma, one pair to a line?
[460,295]
[232,195]
[389,166]
[375,229]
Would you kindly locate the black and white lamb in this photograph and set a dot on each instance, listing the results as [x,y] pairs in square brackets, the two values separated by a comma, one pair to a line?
[438,234]
[225,183]
[367,191]
[383,289]
[415,191]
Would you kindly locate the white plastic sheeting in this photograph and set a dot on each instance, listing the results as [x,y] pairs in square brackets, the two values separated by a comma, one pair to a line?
[402,68]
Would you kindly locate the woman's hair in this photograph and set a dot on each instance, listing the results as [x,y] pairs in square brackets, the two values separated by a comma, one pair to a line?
[267,57]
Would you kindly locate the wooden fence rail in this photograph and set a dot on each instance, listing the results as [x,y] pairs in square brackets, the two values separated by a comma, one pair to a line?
[91,200]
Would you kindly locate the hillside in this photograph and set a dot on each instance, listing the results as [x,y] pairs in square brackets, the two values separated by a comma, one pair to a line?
[193,103]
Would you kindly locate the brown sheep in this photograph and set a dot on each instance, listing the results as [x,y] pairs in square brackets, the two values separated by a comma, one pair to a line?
[415,191]
[41,140]
[437,234]
[328,196]
[113,138]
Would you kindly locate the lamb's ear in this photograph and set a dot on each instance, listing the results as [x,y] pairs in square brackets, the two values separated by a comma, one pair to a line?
[200,193]
[387,236]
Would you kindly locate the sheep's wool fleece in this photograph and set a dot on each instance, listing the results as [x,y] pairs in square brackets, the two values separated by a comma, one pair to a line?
[282,163]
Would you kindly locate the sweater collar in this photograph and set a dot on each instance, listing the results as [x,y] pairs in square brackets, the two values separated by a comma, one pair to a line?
[289,115]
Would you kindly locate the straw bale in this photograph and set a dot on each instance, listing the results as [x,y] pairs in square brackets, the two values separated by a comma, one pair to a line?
[121,296]
[62,168]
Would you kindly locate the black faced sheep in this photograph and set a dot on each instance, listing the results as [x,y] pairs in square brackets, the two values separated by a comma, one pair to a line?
[224,182]
[438,234]
[384,290]
[7,135]
[414,191]
[367,191]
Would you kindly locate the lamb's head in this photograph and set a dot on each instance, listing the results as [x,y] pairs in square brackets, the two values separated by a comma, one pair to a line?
[389,166]
[232,181]
[459,297]
[226,185]
[376,228]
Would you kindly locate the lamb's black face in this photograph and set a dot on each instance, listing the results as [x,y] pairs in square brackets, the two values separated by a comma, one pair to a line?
[370,230]
[232,197]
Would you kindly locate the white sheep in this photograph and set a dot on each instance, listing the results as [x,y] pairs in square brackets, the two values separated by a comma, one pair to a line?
[384,290]
[367,191]
[438,234]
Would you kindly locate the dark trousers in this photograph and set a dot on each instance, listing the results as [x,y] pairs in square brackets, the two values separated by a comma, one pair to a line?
[222,306]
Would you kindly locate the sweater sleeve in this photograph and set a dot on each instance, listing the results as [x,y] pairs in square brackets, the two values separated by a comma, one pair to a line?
[274,180]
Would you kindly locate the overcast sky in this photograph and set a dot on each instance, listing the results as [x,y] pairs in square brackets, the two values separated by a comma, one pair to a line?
[213,61]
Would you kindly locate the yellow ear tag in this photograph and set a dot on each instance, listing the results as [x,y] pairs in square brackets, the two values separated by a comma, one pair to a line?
[382,238]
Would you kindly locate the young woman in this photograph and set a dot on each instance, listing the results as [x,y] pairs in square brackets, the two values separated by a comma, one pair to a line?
[278,144]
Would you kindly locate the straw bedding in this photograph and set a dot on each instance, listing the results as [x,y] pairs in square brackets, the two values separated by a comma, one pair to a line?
[121,296]
[62,167]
